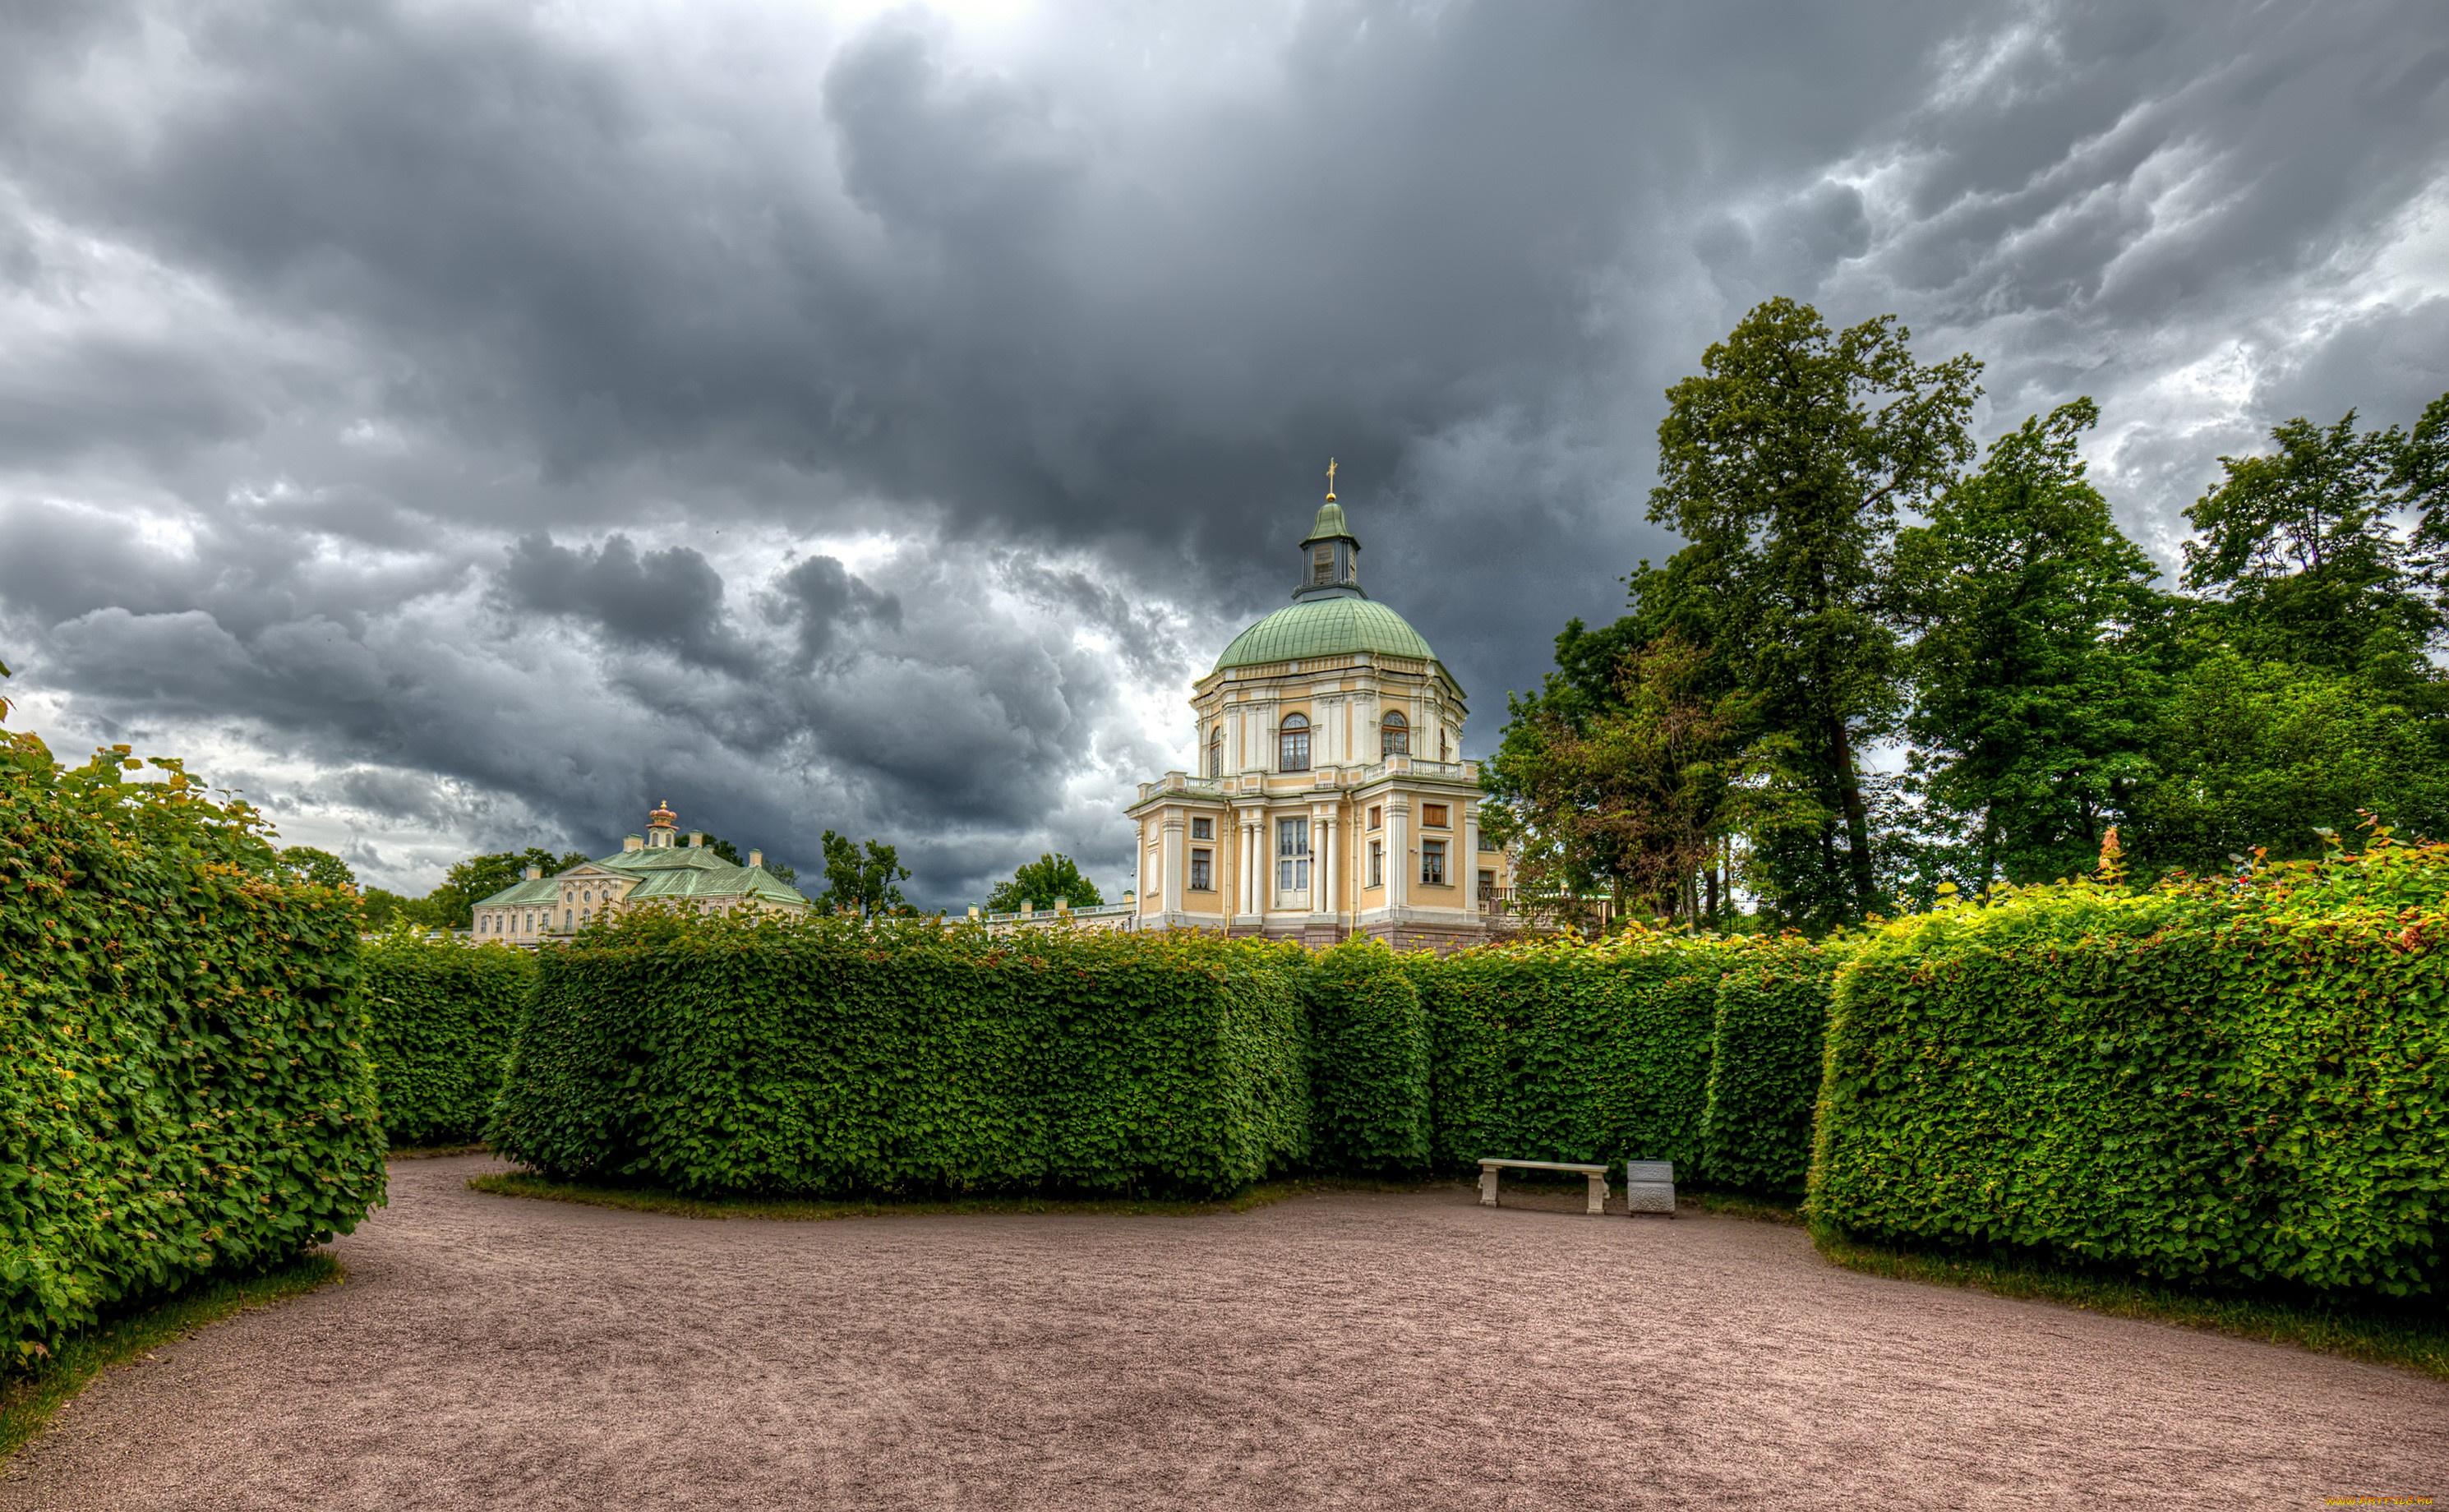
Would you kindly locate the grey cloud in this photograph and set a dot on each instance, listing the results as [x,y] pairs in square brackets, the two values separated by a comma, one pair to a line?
[822,596]
[351,357]
[670,598]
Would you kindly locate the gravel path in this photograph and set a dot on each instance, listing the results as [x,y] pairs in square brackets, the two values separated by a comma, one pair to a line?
[1344,1349]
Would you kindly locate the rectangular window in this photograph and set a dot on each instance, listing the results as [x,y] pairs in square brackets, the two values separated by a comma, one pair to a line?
[1487,884]
[1377,816]
[1432,863]
[1202,872]
[1485,843]
[1203,829]
[1292,855]
[1322,565]
[1433,815]
[1377,863]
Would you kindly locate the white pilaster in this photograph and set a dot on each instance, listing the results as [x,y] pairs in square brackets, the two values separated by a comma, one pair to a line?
[1322,827]
[1398,853]
[1469,881]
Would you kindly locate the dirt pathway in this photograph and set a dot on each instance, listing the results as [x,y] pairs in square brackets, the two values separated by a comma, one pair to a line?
[1346,1349]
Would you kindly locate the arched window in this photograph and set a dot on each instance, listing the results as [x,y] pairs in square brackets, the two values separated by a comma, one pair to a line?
[1216,752]
[1393,735]
[1292,743]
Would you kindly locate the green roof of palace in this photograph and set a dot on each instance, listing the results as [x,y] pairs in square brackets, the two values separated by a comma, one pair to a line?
[1326,627]
[665,871]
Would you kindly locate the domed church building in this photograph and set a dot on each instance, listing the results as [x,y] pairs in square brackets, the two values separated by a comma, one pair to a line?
[1331,797]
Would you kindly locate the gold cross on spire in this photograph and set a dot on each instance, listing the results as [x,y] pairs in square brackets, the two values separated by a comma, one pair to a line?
[1330,480]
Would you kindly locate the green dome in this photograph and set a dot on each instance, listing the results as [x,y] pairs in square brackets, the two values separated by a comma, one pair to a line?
[1326,627]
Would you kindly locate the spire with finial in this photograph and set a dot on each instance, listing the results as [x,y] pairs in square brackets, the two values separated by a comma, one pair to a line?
[1330,554]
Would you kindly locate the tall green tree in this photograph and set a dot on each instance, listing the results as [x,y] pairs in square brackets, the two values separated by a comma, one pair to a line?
[1635,794]
[381,908]
[2419,478]
[1784,463]
[2262,754]
[1042,883]
[2034,664]
[454,904]
[2302,550]
[863,881]
[321,868]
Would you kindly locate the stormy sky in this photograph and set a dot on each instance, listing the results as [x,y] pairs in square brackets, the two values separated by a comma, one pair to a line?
[461,425]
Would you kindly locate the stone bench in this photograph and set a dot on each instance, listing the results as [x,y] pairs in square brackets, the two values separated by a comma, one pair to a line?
[1488,1170]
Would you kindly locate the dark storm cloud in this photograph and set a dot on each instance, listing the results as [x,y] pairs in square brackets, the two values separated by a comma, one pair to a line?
[819,596]
[671,598]
[520,413]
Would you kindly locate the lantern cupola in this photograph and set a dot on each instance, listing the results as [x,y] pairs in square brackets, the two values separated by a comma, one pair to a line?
[1330,553]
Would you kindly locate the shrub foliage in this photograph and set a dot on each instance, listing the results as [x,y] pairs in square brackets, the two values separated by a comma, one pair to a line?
[1566,1050]
[830,1055]
[2227,1082]
[182,1085]
[440,1018]
[1369,1064]
[1764,1064]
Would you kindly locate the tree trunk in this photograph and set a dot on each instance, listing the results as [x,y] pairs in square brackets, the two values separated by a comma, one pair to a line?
[1857,821]
[1711,879]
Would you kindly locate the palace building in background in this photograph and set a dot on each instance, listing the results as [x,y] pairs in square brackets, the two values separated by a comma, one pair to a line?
[1331,797]
[650,868]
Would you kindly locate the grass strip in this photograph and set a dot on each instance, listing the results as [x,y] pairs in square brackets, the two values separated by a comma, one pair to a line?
[812,1210]
[2414,1338]
[1736,1205]
[433,1152]
[30,1396]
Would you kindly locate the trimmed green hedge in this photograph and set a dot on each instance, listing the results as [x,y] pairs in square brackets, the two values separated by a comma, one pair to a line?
[439,1019]
[1369,1064]
[1765,1059]
[2217,1081]
[1566,1050]
[182,1085]
[826,1056]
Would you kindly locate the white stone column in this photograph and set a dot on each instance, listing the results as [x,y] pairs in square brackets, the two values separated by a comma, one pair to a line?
[1244,832]
[1174,897]
[1469,860]
[1398,853]
[1322,899]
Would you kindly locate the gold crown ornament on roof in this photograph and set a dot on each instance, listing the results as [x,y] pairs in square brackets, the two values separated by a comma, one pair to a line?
[662,817]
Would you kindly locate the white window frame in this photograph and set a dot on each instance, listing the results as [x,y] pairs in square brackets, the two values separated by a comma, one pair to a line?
[1292,855]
